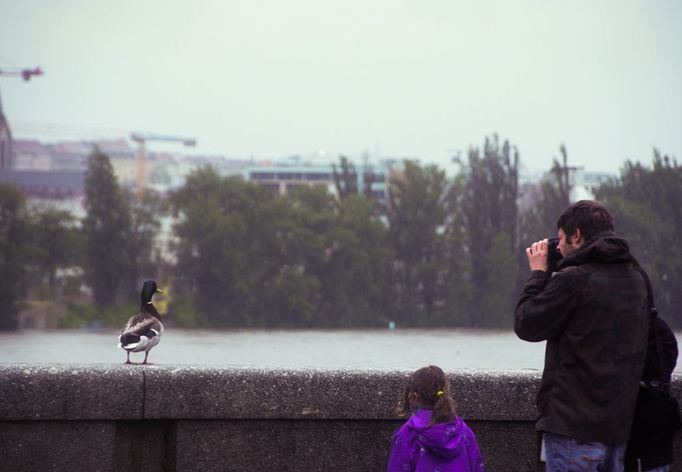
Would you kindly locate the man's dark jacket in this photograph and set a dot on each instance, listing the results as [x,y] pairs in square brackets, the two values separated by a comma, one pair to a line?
[593,312]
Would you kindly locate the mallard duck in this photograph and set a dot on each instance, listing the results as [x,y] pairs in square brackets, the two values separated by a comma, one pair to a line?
[144,329]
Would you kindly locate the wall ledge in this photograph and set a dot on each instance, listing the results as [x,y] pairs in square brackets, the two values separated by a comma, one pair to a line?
[130,392]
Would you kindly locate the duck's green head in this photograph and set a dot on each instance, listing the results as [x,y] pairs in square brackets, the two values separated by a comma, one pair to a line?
[149,288]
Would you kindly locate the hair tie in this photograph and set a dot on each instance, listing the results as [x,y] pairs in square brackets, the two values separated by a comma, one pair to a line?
[440,393]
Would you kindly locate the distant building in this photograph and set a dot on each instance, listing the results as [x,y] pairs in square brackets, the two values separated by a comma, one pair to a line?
[377,181]
[58,189]
[591,181]
[280,179]
[70,155]
[29,154]
[584,185]
[164,171]
[5,141]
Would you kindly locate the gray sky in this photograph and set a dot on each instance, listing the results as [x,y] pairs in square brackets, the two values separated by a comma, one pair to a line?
[398,78]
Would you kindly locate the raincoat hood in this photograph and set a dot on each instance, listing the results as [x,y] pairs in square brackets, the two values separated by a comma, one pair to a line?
[605,247]
[447,447]
[443,439]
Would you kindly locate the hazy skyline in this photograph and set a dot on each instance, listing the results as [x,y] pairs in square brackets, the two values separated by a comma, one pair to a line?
[402,79]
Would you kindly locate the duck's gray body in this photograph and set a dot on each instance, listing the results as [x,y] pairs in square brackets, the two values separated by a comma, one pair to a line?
[143,330]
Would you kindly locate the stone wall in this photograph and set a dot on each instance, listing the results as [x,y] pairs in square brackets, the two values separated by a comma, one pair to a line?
[187,418]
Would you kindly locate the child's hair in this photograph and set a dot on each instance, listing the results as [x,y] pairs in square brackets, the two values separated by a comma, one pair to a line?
[433,391]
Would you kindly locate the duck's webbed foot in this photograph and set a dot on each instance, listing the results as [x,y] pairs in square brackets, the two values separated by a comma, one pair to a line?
[146,353]
[128,361]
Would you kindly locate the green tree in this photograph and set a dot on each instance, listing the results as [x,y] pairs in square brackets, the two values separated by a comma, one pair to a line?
[143,252]
[14,252]
[301,227]
[645,205]
[490,213]
[346,182]
[57,244]
[459,303]
[345,178]
[107,230]
[299,260]
[227,246]
[417,215]
[356,267]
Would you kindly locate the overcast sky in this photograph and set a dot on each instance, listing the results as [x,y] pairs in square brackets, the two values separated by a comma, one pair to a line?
[420,79]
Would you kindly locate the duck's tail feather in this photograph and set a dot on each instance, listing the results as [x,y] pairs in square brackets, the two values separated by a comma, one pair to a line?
[129,340]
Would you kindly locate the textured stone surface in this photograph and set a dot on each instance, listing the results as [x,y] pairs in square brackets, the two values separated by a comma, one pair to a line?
[87,446]
[37,446]
[196,392]
[187,418]
[209,392]
[496,396]
[71,392]
[283,445]
[131,392]
[286,445]
[507,446]
[145,445]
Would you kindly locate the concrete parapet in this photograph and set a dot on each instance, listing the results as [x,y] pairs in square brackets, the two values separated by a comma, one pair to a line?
[71,392]
[186,418]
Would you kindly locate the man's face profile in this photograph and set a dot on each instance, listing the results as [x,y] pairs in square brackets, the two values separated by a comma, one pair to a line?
[568,244]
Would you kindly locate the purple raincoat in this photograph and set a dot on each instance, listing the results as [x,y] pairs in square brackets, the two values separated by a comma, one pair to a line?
[443,447]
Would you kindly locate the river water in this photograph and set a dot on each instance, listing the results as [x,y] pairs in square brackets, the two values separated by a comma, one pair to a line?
[358,349]
[451,349]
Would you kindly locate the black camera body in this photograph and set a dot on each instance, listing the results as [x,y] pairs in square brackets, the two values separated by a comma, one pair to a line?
[554,255]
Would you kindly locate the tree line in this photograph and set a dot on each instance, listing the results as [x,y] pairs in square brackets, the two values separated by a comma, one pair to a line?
[440,251]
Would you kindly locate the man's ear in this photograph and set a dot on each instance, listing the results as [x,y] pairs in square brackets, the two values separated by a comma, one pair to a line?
[577,238]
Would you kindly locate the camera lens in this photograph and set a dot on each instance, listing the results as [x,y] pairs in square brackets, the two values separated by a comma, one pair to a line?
[554,255]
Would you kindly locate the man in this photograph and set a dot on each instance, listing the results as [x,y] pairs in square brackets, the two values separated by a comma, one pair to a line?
[593,313]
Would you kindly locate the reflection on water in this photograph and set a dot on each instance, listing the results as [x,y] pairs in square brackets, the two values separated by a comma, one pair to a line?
[451,349]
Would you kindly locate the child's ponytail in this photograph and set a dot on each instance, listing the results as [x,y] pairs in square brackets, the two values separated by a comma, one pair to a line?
[444,408]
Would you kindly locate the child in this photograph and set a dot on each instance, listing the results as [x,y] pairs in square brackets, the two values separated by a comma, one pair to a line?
[434,438]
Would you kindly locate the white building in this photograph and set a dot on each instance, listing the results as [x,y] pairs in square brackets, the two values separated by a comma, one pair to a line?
[584,185]
[281,178]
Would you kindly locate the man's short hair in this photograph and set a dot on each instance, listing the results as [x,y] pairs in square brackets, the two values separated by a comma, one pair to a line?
[590,216]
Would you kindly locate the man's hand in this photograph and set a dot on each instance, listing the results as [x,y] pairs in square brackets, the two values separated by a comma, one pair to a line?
[537,255]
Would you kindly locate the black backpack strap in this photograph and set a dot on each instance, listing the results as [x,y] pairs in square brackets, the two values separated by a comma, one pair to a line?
[661,364]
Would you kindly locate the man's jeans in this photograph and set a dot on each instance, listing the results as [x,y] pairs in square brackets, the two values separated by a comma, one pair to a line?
[564,454]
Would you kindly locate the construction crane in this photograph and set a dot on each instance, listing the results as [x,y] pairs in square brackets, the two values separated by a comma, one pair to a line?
[25,74]
[141,139]
[5,133]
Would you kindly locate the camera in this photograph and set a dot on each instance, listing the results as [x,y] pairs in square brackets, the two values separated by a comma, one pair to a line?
[553,256]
